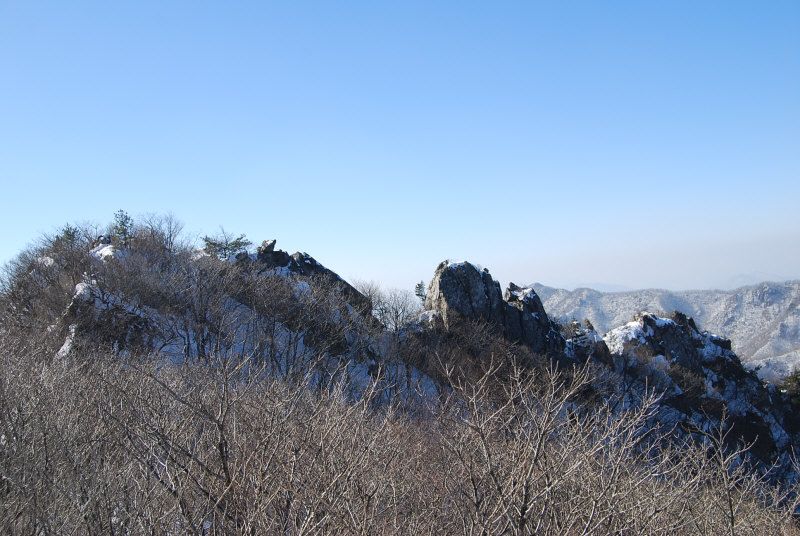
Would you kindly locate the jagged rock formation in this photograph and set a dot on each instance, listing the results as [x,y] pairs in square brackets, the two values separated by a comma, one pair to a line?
[584,343]
[762,321]
[697,374]
[279,261]
[271,340]
[461,290]
[700,378]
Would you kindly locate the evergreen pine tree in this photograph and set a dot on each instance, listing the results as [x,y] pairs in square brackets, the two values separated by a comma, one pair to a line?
[123,228]
[419,290]
[791,384]
[224,245]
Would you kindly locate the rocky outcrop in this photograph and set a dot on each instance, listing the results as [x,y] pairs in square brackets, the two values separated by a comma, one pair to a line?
[107,319]
[584,343]
[528,322]
[462,291]
[676,338]
[184,319]
[280,262]
[762,321]
[702,381]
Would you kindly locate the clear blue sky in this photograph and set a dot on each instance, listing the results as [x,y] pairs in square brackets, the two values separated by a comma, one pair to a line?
[639,144]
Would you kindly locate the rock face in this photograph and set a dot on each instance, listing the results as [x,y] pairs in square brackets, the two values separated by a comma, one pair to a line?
[279,261]
[676,338]
[461,290]
[700,378]
[701,381]
[584,343]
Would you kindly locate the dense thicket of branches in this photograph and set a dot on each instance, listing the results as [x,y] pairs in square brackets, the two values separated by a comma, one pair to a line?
[94,445]
[271,422]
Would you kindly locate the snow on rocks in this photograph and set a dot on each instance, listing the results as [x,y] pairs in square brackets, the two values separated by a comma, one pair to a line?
[701,379]
[104,252]
[762,321]
[66,348]
[633,332]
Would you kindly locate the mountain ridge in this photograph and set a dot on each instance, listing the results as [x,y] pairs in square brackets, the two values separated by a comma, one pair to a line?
[161,360]
[762,320]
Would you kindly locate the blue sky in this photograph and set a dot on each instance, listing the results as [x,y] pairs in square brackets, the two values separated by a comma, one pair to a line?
[614,144]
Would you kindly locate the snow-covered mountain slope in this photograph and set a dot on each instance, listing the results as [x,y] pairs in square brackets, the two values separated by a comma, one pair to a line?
[699,375]
[283,316]
[762,321]
[700,382]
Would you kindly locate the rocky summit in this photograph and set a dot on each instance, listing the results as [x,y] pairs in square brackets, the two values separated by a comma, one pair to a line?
[462,290]
[700,380]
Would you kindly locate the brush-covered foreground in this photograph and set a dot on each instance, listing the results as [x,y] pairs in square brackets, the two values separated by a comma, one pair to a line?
[96,445]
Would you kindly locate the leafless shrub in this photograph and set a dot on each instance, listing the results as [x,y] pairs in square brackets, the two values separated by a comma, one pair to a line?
[102,445]
[393,308]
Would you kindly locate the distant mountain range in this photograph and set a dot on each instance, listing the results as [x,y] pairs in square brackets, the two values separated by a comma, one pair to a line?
[762,321]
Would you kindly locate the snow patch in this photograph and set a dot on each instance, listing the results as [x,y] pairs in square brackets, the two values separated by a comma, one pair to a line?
[428,317]
[103,252]
[83,292]
[663,322]
[616,339]
[459,264]
[66,348]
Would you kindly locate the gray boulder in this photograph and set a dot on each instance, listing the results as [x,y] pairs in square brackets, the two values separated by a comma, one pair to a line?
[267,246]
[462,291]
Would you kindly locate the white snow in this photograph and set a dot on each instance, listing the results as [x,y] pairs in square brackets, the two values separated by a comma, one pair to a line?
[524,294]
[451,264]
[709,351]
[762,321]
[83,291]
[428,317]
[662,322]
[103,251]
[616,339]
[772,369]
[66,348]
